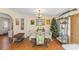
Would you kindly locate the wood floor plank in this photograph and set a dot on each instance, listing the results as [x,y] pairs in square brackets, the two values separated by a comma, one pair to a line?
[26,44]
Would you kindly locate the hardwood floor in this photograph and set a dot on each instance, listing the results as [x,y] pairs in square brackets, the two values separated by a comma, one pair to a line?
[27,45]
[4,43]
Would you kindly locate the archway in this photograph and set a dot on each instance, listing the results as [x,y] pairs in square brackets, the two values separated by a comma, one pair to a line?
[6,32]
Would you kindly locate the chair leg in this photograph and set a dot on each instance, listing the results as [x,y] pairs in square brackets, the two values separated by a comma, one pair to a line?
[46,43]
[33,42]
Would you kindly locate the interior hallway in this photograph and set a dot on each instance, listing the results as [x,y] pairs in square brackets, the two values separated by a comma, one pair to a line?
[27,45]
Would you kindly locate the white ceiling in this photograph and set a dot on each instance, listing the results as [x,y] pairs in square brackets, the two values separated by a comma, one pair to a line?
[44,11]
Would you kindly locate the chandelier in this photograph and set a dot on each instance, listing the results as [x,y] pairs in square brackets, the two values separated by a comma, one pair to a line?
[39,13]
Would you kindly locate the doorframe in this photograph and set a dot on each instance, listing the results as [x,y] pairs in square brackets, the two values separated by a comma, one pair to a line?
[11,20]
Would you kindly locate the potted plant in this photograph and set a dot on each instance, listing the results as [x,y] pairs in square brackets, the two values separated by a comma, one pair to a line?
[54,28]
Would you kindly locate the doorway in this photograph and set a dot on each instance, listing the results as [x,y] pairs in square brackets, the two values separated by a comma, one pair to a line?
[5,31]
[4,26]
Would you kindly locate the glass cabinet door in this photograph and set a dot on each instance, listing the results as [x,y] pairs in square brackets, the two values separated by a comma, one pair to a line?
[64,30]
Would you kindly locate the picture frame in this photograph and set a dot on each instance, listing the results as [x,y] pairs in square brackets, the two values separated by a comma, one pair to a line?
[17,21]
[32,22]
[47,21]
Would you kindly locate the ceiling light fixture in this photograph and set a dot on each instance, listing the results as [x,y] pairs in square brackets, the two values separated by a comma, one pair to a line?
[39,12]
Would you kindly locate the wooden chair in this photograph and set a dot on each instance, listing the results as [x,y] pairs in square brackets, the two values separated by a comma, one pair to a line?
[40,40]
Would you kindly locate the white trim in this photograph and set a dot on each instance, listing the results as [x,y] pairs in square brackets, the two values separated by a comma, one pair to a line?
[69,29]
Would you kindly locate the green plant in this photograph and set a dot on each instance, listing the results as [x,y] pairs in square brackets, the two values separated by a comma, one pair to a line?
[54,28]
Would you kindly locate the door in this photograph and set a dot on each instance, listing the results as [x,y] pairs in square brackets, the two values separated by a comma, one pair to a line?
[64,30]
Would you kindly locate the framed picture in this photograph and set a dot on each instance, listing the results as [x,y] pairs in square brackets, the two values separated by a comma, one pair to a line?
[32,22]
[22,24]
[47,21]
[17,21]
